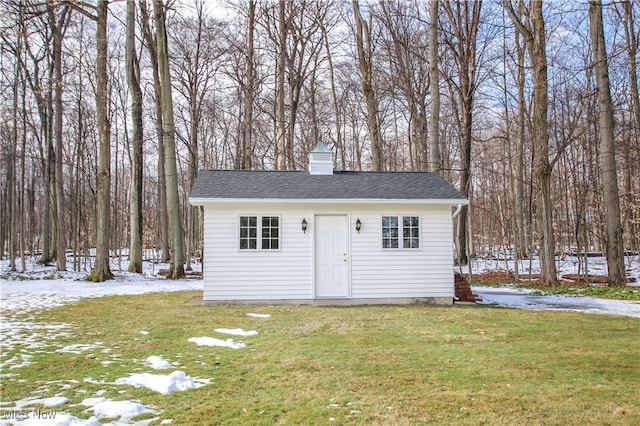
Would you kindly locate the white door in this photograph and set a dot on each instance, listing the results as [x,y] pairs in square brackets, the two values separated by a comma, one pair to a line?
[331,256]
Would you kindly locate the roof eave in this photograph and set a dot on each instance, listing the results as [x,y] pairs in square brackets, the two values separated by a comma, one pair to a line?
[197,201]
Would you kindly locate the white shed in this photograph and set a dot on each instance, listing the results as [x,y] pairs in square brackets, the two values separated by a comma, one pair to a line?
[325,237]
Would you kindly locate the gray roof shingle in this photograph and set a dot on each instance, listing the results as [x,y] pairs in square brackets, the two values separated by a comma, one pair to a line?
[342,185]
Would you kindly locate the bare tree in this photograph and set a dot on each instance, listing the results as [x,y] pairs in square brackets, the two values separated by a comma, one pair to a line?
[283,26]
[435,162]
[365,48]
[195,61]
[339,139]
[409,73]
[101,268]
[632,147]
[136,147]
[615,249]
[534,35]
[464,19]
[519,194]
[247,135]
[176,269]
[163,216]
[11,158]
[302,53]
[39,76]
[58,20]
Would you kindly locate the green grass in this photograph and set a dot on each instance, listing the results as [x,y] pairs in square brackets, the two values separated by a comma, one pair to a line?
[385,365]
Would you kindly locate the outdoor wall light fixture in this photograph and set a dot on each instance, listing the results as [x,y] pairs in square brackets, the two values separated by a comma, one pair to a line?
[304,225]
[358,225]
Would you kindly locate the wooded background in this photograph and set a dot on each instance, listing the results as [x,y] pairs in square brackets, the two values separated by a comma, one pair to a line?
[109,109]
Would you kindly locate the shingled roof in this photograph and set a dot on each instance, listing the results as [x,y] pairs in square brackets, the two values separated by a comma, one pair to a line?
[341,185]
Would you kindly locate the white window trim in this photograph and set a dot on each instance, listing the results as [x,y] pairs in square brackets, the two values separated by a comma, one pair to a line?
[259,233]
[400,233]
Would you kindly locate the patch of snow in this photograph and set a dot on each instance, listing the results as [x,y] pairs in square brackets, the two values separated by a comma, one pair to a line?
[158,363]
[564,264]
[46,418]
[528,299]
[164,384]
[212,341]
[118,409]
[54,401]
[237,332]
[143,332]
[258,315]
[51,402]
[25,334]
[90,402]
[79,348]
[42,287]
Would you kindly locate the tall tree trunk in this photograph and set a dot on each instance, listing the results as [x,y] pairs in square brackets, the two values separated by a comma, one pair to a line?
[611,200]
[465,23]
[364,45]
[11,166]
[57,29]
[176,268]
[523,246]
[163,216]
[24,229]
[535,39]
[334,98]
[77,213]
[435,163]
[409,80]
[632,224]
[46,257]
[542,167]
[135,202]
[43,101]
[280,65]
[101,269]
[247,143]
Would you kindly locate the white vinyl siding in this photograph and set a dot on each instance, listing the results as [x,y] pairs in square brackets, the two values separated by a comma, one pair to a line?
[231,274]
[387,273]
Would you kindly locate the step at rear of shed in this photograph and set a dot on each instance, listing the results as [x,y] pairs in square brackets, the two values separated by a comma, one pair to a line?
[463,290]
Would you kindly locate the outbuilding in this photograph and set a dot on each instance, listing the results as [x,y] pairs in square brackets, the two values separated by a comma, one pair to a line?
[326,238]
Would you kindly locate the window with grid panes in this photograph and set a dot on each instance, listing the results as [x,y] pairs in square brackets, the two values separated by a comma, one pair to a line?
[400,232]
[265,229]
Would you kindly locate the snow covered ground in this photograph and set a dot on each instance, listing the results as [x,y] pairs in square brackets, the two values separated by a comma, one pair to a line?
[22,295]
[529,299]
[564,265]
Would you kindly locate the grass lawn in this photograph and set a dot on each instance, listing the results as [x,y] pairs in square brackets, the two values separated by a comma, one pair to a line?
[387,365]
